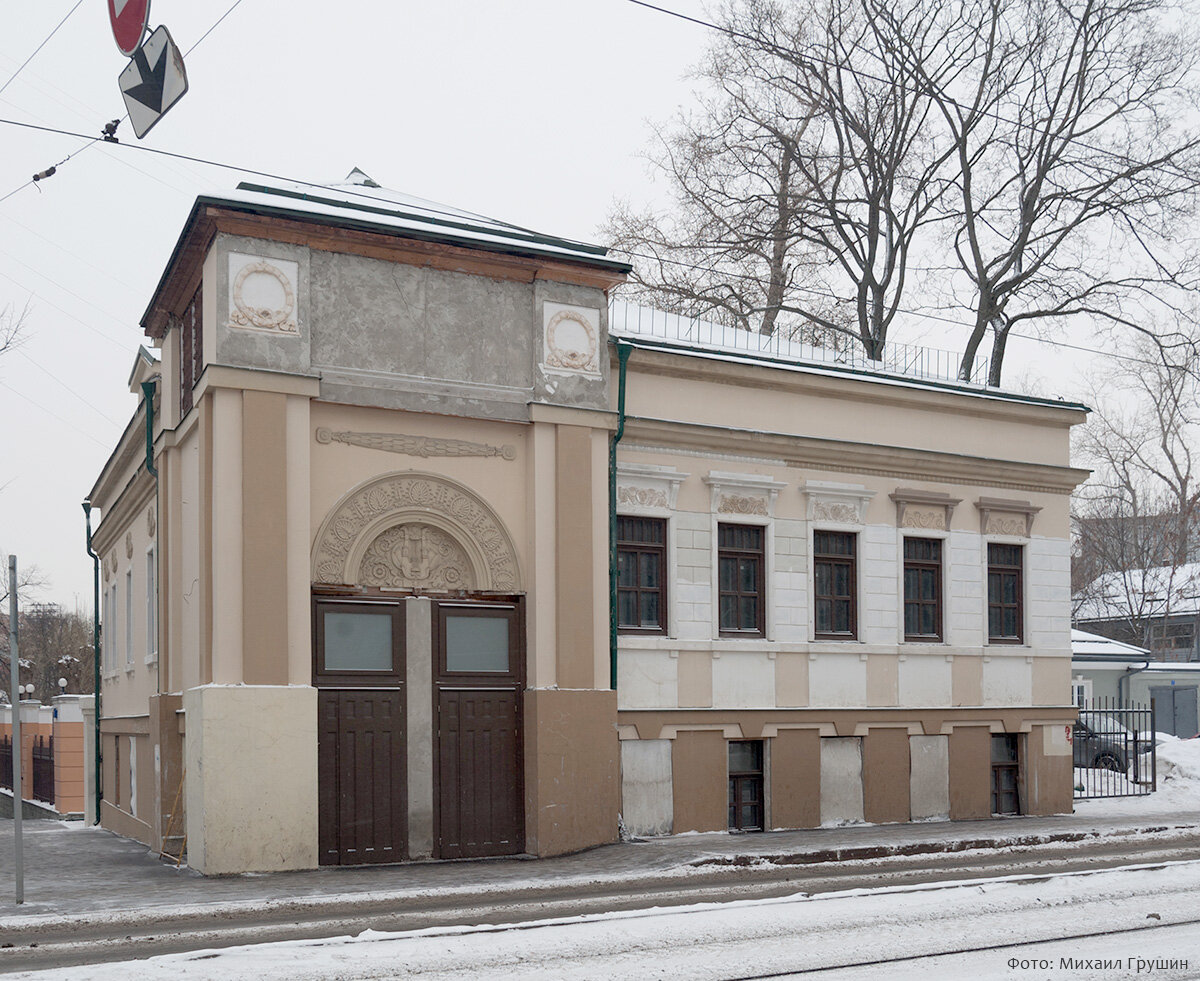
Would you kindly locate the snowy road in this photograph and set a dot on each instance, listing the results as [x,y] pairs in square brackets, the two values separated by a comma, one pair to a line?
[1083,925]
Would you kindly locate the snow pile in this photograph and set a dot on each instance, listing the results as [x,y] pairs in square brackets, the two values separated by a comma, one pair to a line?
[1179,764]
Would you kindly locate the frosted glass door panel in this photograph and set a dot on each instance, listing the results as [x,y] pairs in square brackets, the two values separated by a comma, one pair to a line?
[358,642]
[475,644]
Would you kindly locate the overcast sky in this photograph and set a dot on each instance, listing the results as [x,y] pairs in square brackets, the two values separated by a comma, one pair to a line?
[533,111]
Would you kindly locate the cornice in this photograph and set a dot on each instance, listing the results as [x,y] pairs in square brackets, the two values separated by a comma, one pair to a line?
[182,274]
[840,456]
[858,389]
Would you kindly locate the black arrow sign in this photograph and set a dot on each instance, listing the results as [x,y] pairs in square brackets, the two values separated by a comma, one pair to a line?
[149,91]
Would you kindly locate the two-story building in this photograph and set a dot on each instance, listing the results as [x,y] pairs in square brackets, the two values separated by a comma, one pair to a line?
[364,607]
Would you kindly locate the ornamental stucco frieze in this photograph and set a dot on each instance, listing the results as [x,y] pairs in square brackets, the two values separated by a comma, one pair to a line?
[743,493]
[923,510]
[646,487]
[422,446]
[844,504]
[999,516]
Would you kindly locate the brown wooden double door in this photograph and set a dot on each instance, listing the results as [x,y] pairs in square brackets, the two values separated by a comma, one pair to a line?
[363,766]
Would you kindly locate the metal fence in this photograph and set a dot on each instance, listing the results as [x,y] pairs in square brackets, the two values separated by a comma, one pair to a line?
[6,763]
[43,769]
[633,321]
[1114,750]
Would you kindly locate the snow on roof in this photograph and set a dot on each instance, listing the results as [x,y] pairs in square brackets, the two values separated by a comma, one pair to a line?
[1164,590]
[904,366]
[1084,644]
[360,200]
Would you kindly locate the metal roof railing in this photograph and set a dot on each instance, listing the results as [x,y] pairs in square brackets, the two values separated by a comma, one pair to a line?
[635,321]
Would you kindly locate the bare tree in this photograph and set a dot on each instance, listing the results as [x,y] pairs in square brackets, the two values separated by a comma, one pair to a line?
[730,249]
[1075,178]
[801,186]
[1137,519]
[12,326]
[29,581]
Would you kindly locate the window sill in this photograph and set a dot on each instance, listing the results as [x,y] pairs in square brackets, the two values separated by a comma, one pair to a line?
[151,660]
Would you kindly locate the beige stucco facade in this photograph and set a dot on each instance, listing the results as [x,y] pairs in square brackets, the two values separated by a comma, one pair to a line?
[414,422]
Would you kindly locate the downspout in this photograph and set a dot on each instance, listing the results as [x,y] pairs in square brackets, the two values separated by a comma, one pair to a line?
[1129,673]
[87,513]
[148,393]
[623,352]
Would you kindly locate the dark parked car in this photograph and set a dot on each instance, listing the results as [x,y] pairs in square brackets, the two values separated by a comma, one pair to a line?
[1103,743]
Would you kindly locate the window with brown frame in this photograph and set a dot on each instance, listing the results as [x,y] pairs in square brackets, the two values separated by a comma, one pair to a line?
[641,575]
[923,589]
[1005,566]
[741,589]
[835,603]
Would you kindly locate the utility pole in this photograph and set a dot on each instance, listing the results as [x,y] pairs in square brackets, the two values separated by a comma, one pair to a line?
[14,664]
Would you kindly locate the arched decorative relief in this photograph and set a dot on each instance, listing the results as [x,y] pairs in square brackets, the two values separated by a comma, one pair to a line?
[998,516]
[415,530]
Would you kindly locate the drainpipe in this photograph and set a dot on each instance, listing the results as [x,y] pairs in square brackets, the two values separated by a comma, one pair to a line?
[623,352]
[87,513]
[148,393]
[1121,679]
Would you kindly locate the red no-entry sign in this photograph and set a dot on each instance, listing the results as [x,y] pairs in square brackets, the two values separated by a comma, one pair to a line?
[129,19]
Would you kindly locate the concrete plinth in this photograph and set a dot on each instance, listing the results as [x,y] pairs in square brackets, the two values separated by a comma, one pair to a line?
[251,755]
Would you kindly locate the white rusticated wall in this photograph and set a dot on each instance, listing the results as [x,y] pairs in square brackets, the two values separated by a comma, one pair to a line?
[929,778]
[251,757]
[841,780]
[790,595]
[690,596]
[647,800]
[879,571]
[925,680]
[647,679]
[743,679]
[837,680]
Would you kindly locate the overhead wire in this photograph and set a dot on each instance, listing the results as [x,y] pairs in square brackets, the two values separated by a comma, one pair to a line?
[848,69]
[54,415]
[641,3]
[824,294]
[93,140]
[21,67]
[70,390]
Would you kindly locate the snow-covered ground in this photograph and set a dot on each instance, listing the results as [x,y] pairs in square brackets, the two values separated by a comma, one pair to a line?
[1022,926]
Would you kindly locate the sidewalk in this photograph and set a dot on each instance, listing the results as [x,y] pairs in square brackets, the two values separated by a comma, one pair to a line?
[86,874]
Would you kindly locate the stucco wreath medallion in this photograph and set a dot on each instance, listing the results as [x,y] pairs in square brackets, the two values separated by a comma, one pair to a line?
[279,319]
[571,342]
